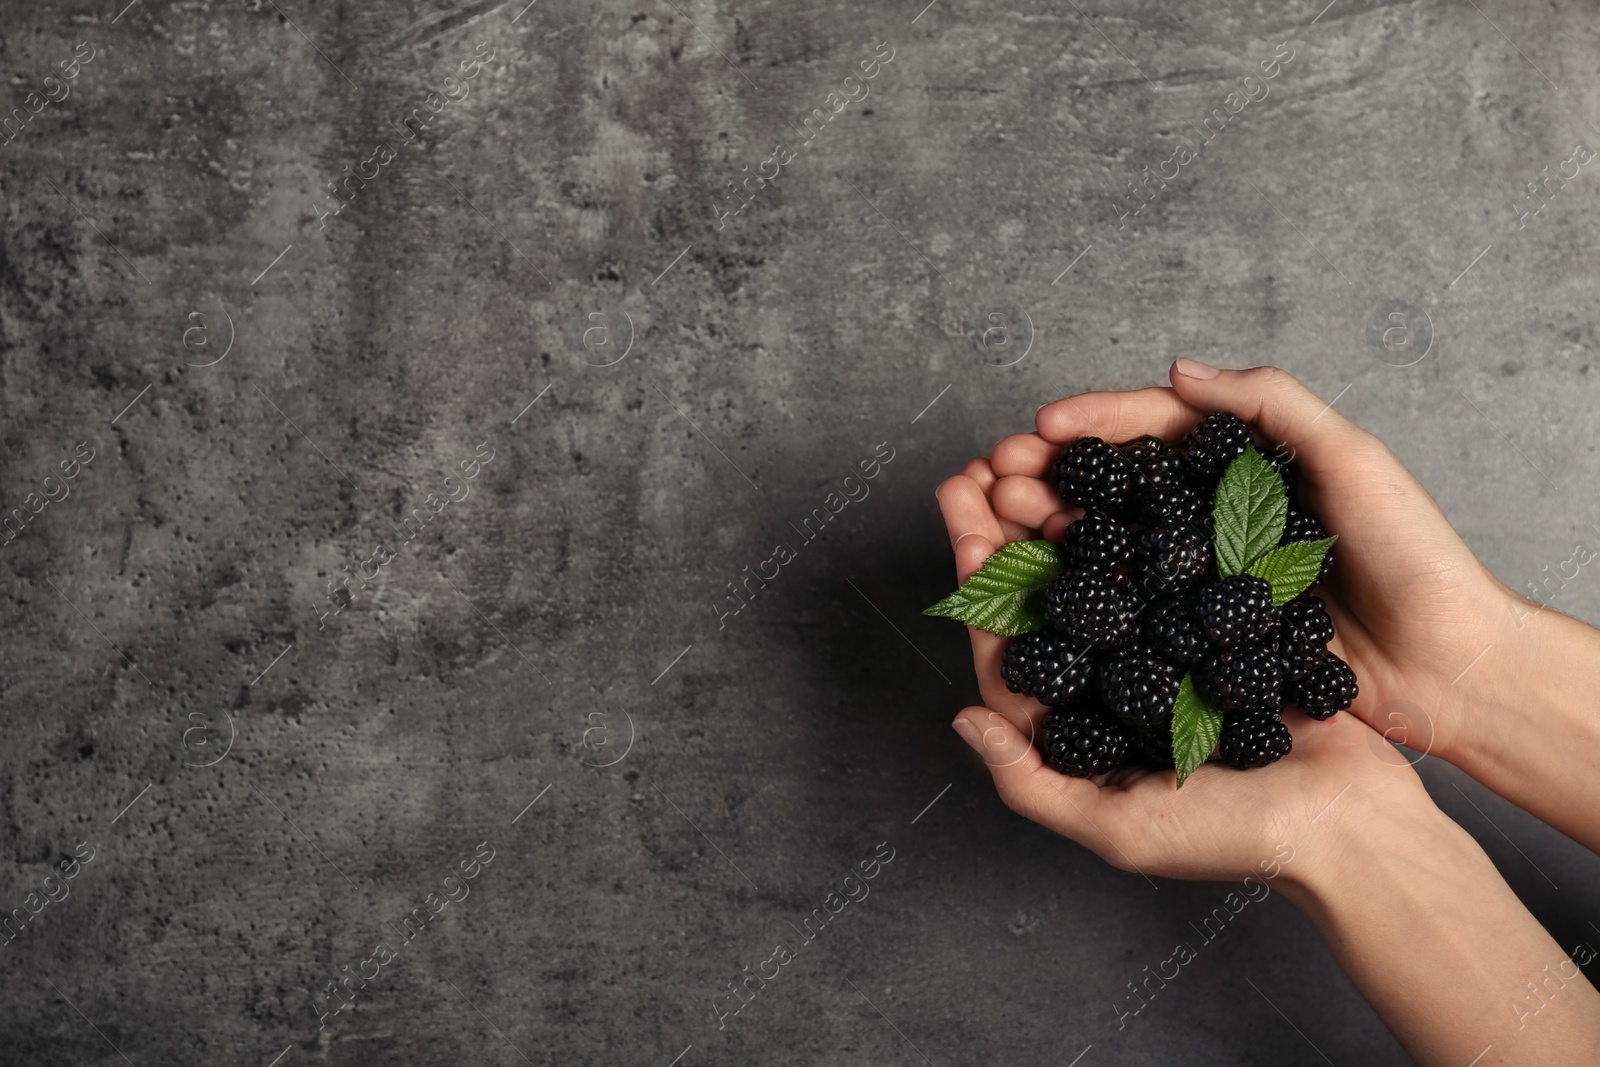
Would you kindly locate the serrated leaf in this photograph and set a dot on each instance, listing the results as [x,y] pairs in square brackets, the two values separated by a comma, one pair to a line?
[1196,726]
[1003,595]
[1292,568]
[1251,506]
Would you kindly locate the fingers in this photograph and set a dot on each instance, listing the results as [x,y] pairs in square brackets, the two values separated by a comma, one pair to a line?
[975,533]
[1026,454]
[1322,440]
[980,471]
[1117,417]
[1055,527]
[966,510]
[972,549]
[1026,785]
[989,650]
[1028,501]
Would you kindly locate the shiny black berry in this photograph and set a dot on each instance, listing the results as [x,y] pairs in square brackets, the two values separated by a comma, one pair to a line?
[1304,635]
[1094,475]
[1169,559]
[1141,448]
[1236,610]
[1253,737]
[1047,667]
[1138,688]
[1091,608]
[1216,442]
[1169,629]
[1097,542]
[1082,740]
[1245,677]
[1153,750]
[1299,526]
[1164,492]
[1177,505]
[1281,459]
[1328,688]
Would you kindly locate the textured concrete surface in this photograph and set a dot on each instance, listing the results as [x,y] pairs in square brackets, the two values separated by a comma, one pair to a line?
[547,288]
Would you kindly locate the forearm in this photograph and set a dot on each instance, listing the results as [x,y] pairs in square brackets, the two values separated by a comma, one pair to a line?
[1532,715]
[1443,950]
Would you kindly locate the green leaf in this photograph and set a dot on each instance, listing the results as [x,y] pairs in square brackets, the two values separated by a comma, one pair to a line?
[1250,508]
[1196,726]
[1292,568]
[1002,596]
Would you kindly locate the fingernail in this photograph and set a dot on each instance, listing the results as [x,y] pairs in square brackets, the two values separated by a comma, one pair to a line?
[969,733]
[1193,368]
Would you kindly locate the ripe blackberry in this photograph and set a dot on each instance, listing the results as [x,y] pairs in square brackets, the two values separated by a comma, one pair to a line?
[1047,667]
[1082,740]
[1281,459]
[1299,526]
[1169,559]
[1090,608]
[1253,737]
[1236,610]
[1327,689]
[1141,448]
[1216,442]
[1244,677]
[1303,640]
[1093,474]
[1169,629]
[1153,750]
[1178,505]
[1097,542]
[1163,492]
[1138,688]
[1159,464]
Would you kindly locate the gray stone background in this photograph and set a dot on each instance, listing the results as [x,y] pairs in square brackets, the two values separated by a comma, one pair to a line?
[268,788]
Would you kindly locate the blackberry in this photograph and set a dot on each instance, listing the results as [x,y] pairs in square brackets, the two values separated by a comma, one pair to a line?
[1163,492]
[1044,666]
[1244,677]
[1142,447]
[1090,608]
[1097,542]
[1138,688]
[1253,737]
[1282,460]
[1177,505]
[1299,526]
[1327,689]
[1082,740]
[1169,559]
[1161,465]
[1236,610]
[1153,750]
[1216,442]
[1094,475]
[1169,629]
[1303,640]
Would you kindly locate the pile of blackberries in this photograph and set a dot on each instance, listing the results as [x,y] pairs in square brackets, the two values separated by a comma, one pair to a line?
[1138,603]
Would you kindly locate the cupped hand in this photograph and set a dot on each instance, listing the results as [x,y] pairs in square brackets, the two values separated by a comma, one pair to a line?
[1412,607]
[1224,823]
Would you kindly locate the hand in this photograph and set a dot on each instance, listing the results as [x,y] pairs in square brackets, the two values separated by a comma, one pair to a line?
[1225,823]
[1412,607]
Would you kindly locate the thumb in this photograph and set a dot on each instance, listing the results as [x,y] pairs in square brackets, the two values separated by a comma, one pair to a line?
[1024,781]
[1321,440]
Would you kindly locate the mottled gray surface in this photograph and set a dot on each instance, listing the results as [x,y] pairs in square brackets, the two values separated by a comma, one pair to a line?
[578,178]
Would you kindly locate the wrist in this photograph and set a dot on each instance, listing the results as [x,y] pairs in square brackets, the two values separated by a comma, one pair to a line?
[1342,869]
[1533,688]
